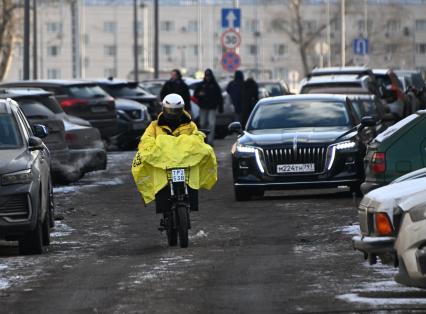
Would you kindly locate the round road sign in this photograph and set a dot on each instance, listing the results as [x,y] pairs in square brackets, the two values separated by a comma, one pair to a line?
[231,61]
[231,39]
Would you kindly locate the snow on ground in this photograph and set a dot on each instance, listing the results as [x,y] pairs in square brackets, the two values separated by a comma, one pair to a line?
[4,284]
[200,234]
[66,189]
[61,230]
[352,297]
[351,229]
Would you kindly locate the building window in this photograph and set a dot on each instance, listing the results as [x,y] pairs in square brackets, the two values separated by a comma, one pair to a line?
[361,26]
[192,26]
[393,26]
[281,73]
[193,50]
[86,39]
[110,27]
[280,50]
[310,26]
[252,25]
[53,27]
[110,50]
[167,26]
[53,73]
[110,72]
[140,27]
[391,48]
[252,50]
[421,49]
[421,25]
[53,51]
[86,62]
[167,50]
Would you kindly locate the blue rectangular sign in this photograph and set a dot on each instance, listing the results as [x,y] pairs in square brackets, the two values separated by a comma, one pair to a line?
[231,18]
[360,46]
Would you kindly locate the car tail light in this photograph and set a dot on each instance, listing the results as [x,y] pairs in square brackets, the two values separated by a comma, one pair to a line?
[72,102]
[378,162]
[383,224]
[70,137]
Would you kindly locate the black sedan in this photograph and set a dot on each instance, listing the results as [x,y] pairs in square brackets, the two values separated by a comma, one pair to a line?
[301,141]
[26,204]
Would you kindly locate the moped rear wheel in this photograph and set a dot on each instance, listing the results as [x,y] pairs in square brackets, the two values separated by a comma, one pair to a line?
[183,218]
[171,231]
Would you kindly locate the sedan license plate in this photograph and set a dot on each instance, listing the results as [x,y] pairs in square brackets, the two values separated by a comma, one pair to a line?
[178,175]
[291,168]
[99,109]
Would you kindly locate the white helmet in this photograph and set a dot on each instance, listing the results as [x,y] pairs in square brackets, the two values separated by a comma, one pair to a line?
[173,105]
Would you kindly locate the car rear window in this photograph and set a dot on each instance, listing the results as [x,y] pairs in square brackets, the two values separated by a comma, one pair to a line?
[9,133]
[34,109]
[86,91]
[124,90]
[296,114]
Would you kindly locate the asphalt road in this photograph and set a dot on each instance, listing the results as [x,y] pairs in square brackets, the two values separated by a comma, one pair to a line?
[289,252]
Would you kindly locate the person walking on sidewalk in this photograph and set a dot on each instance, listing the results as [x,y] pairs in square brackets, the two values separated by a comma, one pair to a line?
[235,91]
[209,98]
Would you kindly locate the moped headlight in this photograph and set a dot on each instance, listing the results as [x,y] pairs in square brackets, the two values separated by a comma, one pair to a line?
[19,177]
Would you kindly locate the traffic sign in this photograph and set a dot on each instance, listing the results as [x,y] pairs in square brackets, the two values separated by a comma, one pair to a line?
[231,61]
[231,39]
[231,18]
[360,46]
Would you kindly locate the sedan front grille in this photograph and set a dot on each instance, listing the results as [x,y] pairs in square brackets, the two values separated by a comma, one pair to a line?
[301,155]
[15,207]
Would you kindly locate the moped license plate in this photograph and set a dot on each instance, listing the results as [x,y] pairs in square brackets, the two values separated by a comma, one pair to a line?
[178,175]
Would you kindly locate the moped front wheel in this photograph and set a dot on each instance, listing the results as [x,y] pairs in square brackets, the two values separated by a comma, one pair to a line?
[183,218]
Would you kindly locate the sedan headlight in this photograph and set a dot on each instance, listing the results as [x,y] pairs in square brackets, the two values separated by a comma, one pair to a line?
[245,149]
[19,177]
[345,145]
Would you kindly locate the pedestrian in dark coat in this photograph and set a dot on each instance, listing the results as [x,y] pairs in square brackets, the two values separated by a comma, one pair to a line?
[235,91]
[209,98]
[249,99]
[176,85]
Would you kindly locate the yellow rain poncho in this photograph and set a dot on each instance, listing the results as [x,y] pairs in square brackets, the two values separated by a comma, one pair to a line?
[185,147]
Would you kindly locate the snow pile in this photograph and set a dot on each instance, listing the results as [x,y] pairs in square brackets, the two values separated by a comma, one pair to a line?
[198,235]
[61,230]
[350,230]
[4,284]
[352,297]
[66,189]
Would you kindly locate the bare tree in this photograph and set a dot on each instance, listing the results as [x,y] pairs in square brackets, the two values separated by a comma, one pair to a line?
[7,34]
[299,31]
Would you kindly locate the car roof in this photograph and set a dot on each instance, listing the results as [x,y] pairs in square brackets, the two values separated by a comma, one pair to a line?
[340,71]
[381,71]
[49,82]
[22,92]
[278,99]
[360,96]
[334,79]
[114,81]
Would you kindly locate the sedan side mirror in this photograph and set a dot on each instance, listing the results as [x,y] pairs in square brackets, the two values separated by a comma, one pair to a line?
[40,130]
[35,143]
[235,127]
[368,121]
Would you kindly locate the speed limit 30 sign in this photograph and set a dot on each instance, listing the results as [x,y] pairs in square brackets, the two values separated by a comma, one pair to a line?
[231,39]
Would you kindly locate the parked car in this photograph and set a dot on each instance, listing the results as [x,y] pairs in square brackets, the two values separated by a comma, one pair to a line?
[26,198]
[122,89]
[372,106]
[414,87]
[83,99]
[153,86]
[86,150]
[392,92]
[349,70]
[301,141]
[31,103]
[395,152]
[272,88]
[340,84]
[410,245]
[380,215]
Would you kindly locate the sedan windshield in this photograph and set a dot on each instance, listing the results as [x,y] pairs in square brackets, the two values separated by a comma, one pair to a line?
[9,134]
[125,90]
[298,114]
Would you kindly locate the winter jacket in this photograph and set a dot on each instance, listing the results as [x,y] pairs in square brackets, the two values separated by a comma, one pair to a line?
[209,96]
[250,98]
[160,149]
[177,87]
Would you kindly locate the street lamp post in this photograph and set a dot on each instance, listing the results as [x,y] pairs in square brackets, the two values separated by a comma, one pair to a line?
[26,65]
[135,41]
[35,65]
[156,35]
[343,16]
